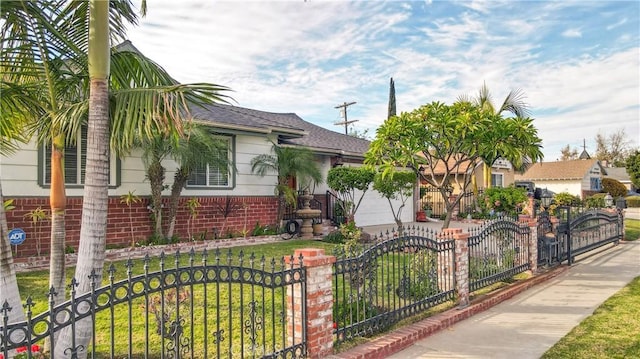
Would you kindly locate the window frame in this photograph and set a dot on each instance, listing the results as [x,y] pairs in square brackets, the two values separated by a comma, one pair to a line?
[44,158]
[501,179]
[231,174]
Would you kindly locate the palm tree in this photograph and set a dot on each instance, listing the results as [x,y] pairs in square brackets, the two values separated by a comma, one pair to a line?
[514,103]
[44,56]
[288,162]
[197,148]
[11,132]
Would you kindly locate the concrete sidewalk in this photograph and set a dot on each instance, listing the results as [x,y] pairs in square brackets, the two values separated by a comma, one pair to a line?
[526,325]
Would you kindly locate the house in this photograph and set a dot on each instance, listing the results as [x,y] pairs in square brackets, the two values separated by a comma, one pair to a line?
[620,174]
[248,132]
[502,175]
[581,177]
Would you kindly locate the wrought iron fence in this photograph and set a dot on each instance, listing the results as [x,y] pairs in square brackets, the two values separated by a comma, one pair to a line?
[396,276]
[578,230]
[548,244]
[433,199]
[498,250]
[588,229]
[226,306]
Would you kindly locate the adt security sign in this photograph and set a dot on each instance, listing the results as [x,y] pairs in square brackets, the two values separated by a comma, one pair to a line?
[17,236]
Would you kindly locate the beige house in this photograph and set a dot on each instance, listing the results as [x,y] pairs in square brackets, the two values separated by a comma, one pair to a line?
[582,177]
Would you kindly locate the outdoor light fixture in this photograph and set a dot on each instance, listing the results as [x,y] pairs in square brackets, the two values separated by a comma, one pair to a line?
[608,201]
[546,198]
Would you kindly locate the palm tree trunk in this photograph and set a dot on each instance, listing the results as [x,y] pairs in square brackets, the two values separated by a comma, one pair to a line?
[58,204]
[156,179]
[93,228]
[8,285]
[179,181]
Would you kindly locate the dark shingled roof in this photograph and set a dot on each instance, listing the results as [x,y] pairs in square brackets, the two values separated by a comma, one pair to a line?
[290,128]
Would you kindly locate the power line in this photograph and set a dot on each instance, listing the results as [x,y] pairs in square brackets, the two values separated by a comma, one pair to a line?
[344,114]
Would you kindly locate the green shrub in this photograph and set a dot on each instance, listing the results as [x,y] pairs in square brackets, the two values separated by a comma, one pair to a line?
[614,187]
[595,201]
[425,282]
[334,237]
[566,199]
[633,201]
[508,200]
[352,311]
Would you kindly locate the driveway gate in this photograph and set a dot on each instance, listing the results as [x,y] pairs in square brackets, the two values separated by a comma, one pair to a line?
[576,232]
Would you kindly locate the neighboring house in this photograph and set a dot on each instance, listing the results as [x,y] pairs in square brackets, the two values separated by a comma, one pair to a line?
[620,174]
[25,177]
[582,177]
[502,174]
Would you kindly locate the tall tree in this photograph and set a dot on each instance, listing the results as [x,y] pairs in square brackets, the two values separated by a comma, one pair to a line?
[514,103]
[443,144]
[392,99]
[613,149]
[287,162]
[44,60]
[32,52]
[633,168]
[12,132]
[96,199]
[568,153]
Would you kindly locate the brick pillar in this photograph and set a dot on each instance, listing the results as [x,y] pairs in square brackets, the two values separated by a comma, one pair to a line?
[446,262]
[533,245]
[462,265]
[319,303]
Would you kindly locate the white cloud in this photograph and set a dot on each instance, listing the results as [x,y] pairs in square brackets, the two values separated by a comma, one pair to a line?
[572,33]
[307,57]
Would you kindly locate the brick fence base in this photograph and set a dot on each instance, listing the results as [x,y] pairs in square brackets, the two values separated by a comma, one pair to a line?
[399,339]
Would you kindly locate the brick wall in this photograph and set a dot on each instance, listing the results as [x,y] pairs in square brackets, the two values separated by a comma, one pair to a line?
[246,212]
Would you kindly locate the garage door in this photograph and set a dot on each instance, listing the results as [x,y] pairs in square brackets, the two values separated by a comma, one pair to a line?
[375,210]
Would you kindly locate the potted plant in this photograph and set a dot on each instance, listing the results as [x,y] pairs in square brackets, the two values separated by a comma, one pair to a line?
[427,208]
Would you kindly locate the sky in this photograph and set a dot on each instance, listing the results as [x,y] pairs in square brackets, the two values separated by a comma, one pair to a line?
[577,62]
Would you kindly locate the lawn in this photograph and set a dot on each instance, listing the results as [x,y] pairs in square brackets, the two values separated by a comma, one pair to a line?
[631,229]
[611,332]
[222,319]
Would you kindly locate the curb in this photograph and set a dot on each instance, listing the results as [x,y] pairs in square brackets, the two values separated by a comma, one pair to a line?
[396,340]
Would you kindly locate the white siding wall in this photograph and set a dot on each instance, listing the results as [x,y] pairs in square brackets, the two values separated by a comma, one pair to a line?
[573,187]
[18,173]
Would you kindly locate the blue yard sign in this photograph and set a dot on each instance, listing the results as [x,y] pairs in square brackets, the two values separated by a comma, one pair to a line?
[17,236]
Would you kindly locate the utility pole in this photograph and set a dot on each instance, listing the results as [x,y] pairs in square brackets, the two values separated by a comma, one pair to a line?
[343,110]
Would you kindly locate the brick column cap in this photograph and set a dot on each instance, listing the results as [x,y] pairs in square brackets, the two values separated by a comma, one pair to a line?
[311,257]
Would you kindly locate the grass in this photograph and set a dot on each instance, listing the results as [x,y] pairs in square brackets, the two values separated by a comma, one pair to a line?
[232,303]
[631,229]
[611,332]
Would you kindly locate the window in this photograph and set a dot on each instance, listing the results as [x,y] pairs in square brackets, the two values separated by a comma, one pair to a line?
[210,176]
[75,157]
[497,180]
[596,184]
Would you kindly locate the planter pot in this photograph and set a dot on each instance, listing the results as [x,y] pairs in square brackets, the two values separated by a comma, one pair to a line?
[317,229]
[421,216]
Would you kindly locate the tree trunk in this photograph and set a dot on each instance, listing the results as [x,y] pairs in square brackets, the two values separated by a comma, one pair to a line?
[9,291]
[58,204]
[93,228]
[94,212]
[156,179]
[179,181]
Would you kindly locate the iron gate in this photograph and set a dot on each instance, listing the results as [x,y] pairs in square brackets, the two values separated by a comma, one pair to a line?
[577,231]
